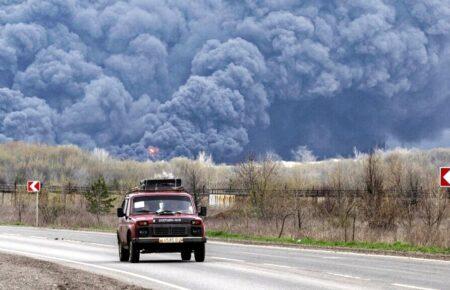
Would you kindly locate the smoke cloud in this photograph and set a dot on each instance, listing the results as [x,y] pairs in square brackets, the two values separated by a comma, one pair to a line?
[225,77]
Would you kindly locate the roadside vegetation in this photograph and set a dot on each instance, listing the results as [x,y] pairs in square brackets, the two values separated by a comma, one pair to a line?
[396,246]
[385,199]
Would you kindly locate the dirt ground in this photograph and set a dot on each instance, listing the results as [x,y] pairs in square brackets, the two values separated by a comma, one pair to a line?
[17,272]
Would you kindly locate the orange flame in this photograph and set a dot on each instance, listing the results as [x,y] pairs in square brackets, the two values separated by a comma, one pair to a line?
[152,151]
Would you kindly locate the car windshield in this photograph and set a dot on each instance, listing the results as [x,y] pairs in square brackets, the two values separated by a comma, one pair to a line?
[162,205]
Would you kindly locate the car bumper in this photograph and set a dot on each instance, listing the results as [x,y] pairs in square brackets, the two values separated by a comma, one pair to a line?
[156,240]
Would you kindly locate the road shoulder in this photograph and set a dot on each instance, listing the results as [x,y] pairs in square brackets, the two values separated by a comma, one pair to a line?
[19,272]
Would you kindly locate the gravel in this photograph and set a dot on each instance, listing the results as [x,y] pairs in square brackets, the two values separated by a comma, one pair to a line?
[17,272]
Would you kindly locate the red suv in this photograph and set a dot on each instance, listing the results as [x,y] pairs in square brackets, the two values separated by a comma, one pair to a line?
[155,219]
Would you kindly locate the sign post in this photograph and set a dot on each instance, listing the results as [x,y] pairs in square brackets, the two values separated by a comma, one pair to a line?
[35,186]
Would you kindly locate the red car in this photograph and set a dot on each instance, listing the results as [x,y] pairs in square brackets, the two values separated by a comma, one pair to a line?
[155,219]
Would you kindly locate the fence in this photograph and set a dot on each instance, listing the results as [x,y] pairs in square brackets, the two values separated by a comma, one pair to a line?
[319,213]
[320,192]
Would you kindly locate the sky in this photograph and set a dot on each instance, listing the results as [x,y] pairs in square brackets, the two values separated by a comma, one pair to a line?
[230,78]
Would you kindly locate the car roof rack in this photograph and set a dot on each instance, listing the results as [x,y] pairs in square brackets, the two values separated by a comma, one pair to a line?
[154,185]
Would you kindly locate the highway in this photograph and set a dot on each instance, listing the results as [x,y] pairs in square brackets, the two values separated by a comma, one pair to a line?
[227,265]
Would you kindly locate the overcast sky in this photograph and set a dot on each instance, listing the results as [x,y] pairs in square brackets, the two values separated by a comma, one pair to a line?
[226,77]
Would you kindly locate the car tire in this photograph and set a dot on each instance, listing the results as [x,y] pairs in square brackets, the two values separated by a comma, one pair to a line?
[186,255]
[134,252]
[124,254]
[199,253]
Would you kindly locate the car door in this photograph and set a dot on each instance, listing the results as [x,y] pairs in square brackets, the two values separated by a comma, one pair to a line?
[123,226]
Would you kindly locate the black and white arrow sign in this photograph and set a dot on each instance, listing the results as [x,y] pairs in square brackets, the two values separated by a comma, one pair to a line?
[33,186]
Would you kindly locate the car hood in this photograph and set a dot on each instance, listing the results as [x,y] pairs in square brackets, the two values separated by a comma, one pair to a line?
[173,218]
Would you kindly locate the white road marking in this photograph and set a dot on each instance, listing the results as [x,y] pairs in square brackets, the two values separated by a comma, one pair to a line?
[275,265]
[78,231]
[292,248]
[43,229]
[303,279]
[88,243]
[411,286]
[261,254]
[327,251]
[331,258]
[38,237]
[59,240]
[228,259]
[95,266]
[347,276]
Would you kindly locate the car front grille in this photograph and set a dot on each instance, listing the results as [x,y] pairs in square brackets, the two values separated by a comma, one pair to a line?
[161,231]
[170,231]
[178,231]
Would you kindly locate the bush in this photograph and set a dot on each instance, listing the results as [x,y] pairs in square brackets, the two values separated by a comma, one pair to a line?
[99,198]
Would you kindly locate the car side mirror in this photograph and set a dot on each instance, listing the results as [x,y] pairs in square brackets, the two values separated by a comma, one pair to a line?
[202,211]
[120,212]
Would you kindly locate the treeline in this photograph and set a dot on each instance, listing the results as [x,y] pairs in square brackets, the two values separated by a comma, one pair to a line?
[68,164]
[382,196]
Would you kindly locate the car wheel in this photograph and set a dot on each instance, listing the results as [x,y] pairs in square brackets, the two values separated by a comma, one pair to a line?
[124,254]
[134,252]
[186,255]
[199,253]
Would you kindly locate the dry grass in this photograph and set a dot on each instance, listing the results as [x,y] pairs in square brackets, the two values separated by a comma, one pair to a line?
[318,226]
[388,211]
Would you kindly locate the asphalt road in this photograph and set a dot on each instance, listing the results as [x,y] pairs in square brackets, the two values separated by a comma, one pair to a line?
[229,266]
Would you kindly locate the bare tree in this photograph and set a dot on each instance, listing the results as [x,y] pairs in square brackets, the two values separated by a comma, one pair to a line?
[408,202]
[258,179]
[395,178]
[300,210]
[373,178]
[193,179]
[379,210]
[247,174]
[267,182]
[434,207]
[339,204]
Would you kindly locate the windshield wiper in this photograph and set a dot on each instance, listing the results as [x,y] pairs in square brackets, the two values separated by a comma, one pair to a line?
[163,212]
[143,211]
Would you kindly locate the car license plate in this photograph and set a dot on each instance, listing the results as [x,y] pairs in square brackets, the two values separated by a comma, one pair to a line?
[170,240]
